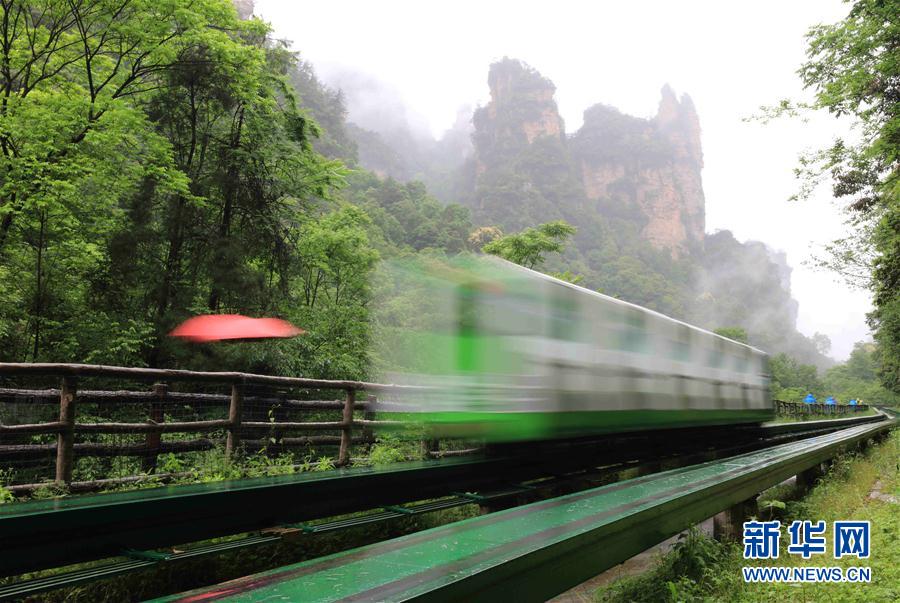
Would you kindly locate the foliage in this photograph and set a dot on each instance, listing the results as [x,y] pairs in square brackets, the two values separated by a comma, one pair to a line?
[735,333]
[528,247]
[328,108]
[852,69]
[385,453]
[791,380]
[858,378]
[575,279]
[691,566]
[407,217]
[6,495]
[155,164]
[483,235]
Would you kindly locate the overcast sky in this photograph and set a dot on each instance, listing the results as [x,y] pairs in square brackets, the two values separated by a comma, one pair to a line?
[730,57]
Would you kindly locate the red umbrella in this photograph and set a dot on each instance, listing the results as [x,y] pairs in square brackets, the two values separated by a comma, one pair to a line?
[218,327]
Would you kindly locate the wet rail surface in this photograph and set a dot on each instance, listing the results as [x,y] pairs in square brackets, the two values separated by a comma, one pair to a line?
[533,552]
[124,526]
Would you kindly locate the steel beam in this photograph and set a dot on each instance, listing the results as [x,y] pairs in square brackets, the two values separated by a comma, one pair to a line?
[533,552]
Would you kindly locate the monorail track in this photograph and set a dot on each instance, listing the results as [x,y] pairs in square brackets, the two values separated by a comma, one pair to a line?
[125,524]
[533,552]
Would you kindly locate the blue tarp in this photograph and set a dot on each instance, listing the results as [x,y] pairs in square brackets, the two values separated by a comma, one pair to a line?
[809,399]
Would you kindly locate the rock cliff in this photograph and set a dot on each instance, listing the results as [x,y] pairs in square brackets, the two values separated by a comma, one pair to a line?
[647,169]
[652,164]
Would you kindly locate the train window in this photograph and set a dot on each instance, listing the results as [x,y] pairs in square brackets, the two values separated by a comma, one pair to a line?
[564,319]
[680,346]
[634,332]
[511,314]
[716,357]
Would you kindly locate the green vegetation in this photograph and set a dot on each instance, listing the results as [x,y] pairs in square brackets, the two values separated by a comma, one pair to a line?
[528,247]
[701,569]
[855,379]
[735,333]
[852,70]
[168,159]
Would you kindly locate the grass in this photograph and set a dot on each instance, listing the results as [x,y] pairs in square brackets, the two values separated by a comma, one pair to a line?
[701,569]
[213,465]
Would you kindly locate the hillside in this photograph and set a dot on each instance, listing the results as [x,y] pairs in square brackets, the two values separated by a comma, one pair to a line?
[633,187]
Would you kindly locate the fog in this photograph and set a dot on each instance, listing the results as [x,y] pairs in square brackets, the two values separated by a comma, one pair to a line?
[417,63]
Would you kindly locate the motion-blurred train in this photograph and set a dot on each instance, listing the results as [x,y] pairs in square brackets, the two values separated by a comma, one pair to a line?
[512,354]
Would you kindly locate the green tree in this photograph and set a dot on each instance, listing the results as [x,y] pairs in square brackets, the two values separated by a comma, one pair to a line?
[853,70]
[529,247]
[154,163]
[791,379]
[858,378]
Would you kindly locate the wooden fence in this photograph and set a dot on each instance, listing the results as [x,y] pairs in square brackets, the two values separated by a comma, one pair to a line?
[801,408]
[238,426]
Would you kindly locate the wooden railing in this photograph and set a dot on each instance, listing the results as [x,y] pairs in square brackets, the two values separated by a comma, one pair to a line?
[357,397]
[801,408]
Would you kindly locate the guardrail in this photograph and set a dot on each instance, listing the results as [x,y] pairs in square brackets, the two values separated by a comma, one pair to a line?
[536,551]
[274,399]
[801,408]
[96,526]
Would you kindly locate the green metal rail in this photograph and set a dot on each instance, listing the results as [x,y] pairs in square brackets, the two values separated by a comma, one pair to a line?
[122,524]
[536,551]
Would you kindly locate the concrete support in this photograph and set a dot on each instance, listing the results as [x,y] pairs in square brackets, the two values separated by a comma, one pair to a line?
[648,468]
[807,479]
[729,524]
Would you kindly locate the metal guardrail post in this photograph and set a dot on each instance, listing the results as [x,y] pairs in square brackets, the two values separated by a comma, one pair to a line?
[65,440]
[347,428]
[235,411]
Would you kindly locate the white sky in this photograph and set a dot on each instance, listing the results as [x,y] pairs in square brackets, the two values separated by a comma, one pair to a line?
[730,57]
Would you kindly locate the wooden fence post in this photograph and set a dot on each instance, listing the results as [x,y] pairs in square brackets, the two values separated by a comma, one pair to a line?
[347,428]
[429,447]
[154,438]
[234,416]
[65,440]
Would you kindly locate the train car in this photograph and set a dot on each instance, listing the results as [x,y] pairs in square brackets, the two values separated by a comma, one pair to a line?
[512,354]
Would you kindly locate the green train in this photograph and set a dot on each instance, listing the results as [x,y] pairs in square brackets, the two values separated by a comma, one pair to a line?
[511,354]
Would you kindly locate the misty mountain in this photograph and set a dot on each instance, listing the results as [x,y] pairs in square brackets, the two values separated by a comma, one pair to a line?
[632,186]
